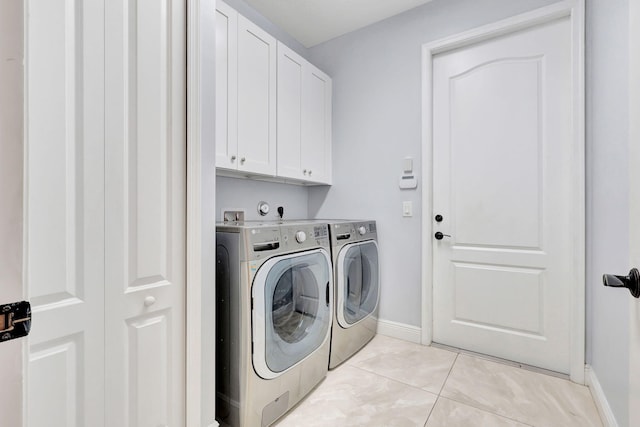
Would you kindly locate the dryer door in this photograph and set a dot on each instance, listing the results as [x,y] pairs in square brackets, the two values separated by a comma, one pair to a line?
[292,300]
[358,283]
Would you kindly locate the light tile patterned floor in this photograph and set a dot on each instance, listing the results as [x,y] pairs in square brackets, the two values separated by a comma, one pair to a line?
[396,383]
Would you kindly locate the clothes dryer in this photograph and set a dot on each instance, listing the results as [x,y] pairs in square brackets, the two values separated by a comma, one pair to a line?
[354,250]
[274,308]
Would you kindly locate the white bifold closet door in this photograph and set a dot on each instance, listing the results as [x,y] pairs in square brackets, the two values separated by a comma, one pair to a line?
[105,212]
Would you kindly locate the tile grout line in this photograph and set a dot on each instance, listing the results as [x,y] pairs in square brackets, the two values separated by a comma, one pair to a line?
[393,379]
[466,403]
[488,411]
[455,359]
[448,374]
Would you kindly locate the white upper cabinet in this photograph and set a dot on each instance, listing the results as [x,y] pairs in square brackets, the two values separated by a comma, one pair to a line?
[304,119]
[245,95]
[256,99]
[226,87]
[273,108]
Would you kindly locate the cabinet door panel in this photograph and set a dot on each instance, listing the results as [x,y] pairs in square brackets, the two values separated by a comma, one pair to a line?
[290,81]
[316,126]
[226,86]
[256,99]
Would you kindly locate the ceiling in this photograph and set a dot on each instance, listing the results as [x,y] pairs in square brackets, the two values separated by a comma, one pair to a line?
[312,22]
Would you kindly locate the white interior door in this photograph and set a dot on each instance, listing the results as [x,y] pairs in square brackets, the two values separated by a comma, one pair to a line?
[634,203]
[145,228]
[64,211]
[502,178]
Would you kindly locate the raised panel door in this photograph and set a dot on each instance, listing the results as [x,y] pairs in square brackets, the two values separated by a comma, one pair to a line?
[145,213]
[64,211]
[502,168]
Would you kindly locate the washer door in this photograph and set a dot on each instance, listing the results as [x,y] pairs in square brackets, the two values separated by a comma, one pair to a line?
[292,300]
[358,283]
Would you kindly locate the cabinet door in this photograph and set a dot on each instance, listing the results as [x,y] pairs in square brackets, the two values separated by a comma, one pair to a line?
[226,87]
[290,71]
[256,99]
[316,126]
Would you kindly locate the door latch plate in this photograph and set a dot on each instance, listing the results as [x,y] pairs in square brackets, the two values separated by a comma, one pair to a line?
[15,320]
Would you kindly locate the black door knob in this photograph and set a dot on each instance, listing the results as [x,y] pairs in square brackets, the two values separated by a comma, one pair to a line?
[438,218]
[631,282]
[439,235]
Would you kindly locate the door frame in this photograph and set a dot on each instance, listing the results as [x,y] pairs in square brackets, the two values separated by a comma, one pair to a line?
[634,208]
[201,214]
[574,9]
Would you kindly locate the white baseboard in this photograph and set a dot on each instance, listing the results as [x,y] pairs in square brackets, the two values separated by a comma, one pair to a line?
[602,403]
[399,330]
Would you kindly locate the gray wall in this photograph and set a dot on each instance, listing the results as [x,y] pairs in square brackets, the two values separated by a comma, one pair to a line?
[236,193]
[607,198]
[11,160]
[377,122]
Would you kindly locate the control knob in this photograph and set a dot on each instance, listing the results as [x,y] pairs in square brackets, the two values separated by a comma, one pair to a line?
[362,230]
[301,236]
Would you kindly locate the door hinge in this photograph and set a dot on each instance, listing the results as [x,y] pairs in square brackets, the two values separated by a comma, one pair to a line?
[15,320]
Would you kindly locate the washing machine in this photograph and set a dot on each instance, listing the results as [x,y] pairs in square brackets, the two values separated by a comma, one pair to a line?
[354,248]
[274,309]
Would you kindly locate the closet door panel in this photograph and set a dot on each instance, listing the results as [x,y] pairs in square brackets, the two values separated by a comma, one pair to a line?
[145,214]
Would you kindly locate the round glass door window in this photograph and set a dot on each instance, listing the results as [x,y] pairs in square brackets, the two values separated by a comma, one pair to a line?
[296,298]
[358,285]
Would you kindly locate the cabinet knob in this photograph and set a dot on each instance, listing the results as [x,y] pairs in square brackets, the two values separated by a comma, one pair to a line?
[310,172]
[233,158]
[304,171]
[242,159]
[149,301]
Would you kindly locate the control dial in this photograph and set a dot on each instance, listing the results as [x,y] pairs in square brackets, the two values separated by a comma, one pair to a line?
[362,230]
[301,236]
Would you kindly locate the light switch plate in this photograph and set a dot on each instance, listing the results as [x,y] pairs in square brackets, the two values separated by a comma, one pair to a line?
[407,209]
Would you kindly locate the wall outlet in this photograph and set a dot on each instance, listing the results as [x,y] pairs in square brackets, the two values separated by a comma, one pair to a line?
[233,215]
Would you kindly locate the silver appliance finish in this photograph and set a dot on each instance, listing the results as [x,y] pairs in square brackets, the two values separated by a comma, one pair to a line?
[354,250]
[274,308]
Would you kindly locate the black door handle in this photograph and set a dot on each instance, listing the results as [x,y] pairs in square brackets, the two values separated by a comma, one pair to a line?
[439,235]
[327,294]
[631,282]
